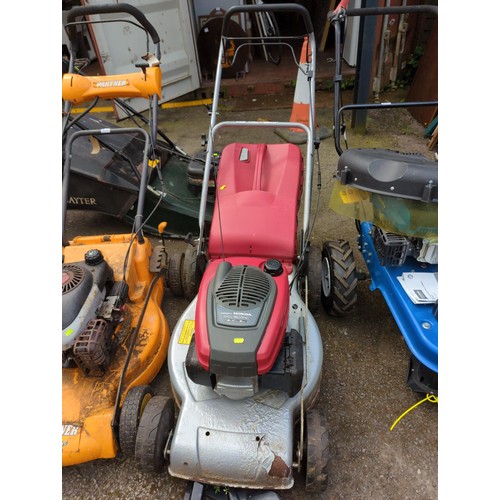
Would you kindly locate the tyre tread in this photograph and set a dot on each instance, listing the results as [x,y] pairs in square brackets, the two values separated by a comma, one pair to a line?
[130,416]
[344,297]
[317,452]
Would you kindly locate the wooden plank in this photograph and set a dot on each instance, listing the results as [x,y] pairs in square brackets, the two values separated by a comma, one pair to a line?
[434,138]
[326,29]
[425,83]
[430,128]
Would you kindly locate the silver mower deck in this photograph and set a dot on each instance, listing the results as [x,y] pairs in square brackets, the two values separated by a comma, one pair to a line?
[251,442]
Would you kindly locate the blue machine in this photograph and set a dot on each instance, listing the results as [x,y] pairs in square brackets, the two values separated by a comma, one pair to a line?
[393,198]
[418,322]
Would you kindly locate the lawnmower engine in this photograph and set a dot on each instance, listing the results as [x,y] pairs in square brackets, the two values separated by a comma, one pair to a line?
[241,344]
[91,309]
[393,249]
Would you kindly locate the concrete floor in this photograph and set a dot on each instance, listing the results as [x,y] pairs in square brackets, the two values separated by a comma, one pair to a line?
[365,357]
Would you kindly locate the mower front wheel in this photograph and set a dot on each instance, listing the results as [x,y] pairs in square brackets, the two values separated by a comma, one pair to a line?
[317,453]
[174,274]
[314,278]
[156,423]
[312,271]
[191,273]
[130,414]
[338,278]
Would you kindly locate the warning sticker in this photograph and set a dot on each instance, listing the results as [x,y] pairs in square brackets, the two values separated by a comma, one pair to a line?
[350,195]
[187,332]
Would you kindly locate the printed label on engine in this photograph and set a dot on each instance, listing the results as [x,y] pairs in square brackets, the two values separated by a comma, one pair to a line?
[230,317]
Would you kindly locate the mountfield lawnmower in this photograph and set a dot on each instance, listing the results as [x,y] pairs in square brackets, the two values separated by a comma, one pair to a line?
[393,197]
[114,334]
[245,358]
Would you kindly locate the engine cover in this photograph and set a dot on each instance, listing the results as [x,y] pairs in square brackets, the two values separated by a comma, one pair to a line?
[84,288]
[241,317]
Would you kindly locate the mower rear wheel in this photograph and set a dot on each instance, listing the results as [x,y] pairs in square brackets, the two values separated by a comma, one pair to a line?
[132,409]
[338,278]
[191,273]
[154,428]
[174,274]
[314,278]
[317,453]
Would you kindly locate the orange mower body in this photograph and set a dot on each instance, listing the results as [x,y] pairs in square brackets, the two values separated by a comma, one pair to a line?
[89,399]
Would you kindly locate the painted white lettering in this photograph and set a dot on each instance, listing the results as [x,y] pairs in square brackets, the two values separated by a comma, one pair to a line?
[112,83]
[77,200]
[70,430]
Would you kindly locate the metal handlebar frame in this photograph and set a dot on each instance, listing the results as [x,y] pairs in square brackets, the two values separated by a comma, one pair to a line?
[335,18]
[214,126]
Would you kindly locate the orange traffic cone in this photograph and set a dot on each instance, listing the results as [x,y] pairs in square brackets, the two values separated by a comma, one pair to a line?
[302,103]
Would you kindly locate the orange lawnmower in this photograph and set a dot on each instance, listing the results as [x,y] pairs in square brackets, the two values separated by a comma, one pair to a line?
[114,334]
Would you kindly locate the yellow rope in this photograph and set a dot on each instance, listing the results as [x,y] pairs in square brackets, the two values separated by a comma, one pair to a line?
[429,397]
[166,105]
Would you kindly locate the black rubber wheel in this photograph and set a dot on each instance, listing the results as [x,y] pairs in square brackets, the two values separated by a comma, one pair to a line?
[174,274]
[338,278]
[191,274]
[237,53]
[317,452]
[154,427]
[130,415]
[271,29]
[314,275]
[421,379]
[358,226]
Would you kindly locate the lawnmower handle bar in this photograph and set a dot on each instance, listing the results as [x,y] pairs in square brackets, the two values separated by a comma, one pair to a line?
[337,16]
[236,9]
[111,9]
[284,7]
[377,11]
[122,8]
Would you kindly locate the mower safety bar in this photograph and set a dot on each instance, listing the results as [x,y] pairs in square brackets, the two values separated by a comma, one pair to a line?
[285,7]
[337,16]
[385,105]
[111,9]
[377,11]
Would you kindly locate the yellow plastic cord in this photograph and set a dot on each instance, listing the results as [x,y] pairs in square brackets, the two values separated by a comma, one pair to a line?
[166,105]
[429,397]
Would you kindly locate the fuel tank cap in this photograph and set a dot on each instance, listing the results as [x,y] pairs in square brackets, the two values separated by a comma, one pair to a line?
[273,267]
[93,257]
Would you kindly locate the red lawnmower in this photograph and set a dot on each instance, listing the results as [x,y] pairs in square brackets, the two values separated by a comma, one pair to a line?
[245,358]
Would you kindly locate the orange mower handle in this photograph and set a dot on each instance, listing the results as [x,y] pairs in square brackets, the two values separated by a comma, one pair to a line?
[78,88]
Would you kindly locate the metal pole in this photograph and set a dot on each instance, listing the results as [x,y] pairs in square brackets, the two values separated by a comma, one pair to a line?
[366,50]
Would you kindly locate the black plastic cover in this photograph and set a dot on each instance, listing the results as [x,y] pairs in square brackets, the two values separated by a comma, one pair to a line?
[286,374]
[105,173]
[239,305]
[73,300]
[288,370]
[383,171]
[194,370]
[196,166]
